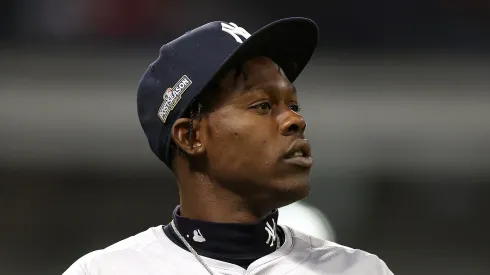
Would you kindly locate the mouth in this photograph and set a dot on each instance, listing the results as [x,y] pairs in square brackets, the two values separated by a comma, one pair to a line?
[299,154]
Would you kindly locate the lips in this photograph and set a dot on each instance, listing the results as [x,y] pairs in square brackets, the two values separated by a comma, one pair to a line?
[299,148]
[299,154]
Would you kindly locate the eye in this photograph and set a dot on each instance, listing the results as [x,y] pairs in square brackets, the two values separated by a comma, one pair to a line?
[264,106]
[295,108]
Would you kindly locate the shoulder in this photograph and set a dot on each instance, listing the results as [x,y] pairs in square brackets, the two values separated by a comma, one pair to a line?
[336,258]
[137,248]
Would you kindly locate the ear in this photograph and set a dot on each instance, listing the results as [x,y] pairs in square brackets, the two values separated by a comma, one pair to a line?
[180,135]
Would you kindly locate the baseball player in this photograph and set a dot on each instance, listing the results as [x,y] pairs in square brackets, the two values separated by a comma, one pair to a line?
[218,107]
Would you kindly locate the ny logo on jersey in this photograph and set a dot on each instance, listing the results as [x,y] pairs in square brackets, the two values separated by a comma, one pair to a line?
[271,230]
[235,31]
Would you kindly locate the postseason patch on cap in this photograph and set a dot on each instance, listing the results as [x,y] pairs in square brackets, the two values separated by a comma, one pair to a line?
[172,96]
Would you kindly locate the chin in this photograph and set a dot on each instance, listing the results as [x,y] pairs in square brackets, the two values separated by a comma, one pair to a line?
[292,191]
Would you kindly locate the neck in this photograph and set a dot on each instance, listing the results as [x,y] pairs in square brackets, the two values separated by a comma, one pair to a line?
[207,201]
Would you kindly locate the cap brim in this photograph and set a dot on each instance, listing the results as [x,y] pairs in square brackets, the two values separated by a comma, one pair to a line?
[288,42]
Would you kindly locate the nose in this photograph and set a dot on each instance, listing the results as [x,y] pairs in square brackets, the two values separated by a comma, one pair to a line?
[291,123]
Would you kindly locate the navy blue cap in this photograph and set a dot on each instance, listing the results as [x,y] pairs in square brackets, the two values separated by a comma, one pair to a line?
[186,65]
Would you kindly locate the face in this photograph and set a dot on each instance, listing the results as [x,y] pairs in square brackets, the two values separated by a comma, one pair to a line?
[254,136]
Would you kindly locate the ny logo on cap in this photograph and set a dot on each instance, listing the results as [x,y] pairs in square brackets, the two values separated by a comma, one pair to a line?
[235,31]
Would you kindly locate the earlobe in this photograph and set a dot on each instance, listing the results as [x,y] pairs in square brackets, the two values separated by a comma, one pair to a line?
[187,138]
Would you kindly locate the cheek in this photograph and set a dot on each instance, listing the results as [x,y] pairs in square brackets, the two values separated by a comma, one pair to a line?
[234,143]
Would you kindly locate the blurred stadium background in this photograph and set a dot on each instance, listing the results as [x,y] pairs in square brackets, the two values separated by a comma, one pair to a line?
[397,100]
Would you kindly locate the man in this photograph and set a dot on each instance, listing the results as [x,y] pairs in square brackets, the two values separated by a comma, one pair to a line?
[219,109]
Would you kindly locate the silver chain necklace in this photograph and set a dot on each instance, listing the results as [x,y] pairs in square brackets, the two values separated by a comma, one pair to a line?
[194,251]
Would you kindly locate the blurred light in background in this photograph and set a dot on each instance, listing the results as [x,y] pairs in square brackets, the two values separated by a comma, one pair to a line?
[307,219]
